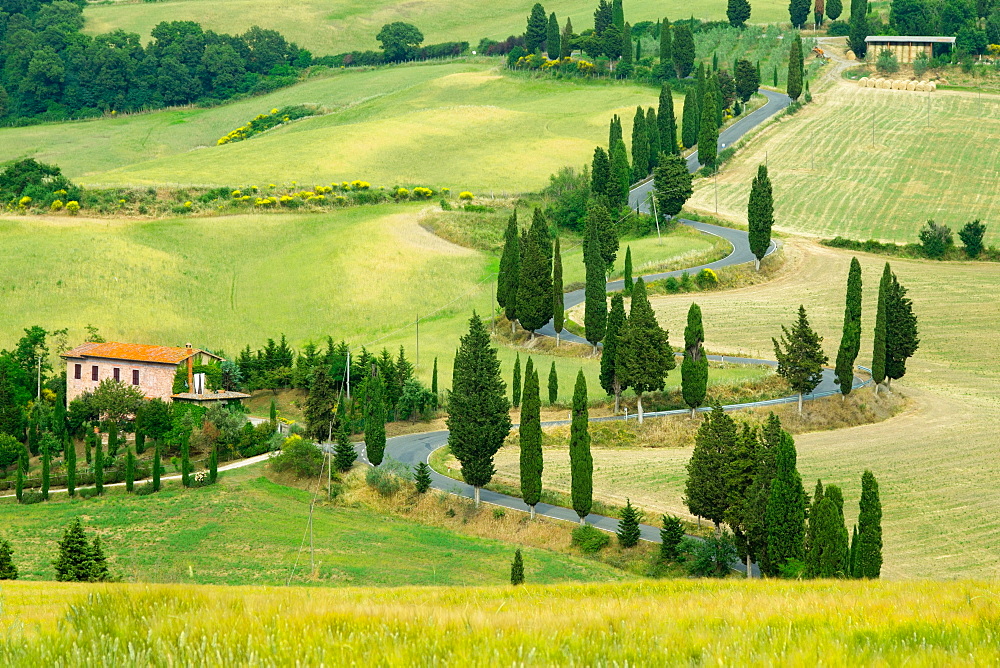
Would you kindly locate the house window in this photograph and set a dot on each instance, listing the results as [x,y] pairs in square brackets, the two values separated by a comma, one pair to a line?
[77,371]
[135,376]
[93,372]
[118,374]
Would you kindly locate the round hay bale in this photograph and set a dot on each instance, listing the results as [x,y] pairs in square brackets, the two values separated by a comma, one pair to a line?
[863,81]
[870,83]
[931,86]
[899,84]
[876,83]
[921,86]
[851,56]
[883,83]
[911,85]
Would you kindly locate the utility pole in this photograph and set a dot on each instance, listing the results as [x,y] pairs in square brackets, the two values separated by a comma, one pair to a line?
[716,190]
[312,563]
[39,397]
[659,239]
[873,127]
[348,374]
[418,341]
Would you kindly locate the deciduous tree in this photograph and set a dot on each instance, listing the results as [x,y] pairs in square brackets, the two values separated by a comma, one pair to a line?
[972,235]
[580,459]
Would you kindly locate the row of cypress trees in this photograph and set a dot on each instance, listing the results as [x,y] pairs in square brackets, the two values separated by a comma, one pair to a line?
[516,395]
[530,283]
[828,551]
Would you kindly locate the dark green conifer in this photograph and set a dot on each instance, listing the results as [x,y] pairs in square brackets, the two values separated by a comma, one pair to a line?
[99,465]
[552,40]
[600,173]
[515,383]
[795,62]
[566,40]
[640,146]
[157,466]
[88,440]
[672,185]
[831,547]
[140,442]
[708,131]
[786,509]
[19,481]
[671,536]
[760,215]
[707,489]
[621,176]
[538,25]
[517,569]
[850,342]
[47,445]
[694,368]
[596,306]
[628,282]
[628,526]
[534,290]
[800,356]
[901,340]
[422,477]
[129,470]
[868,561]
[580,458]
[8,571]
[510,269]
[852,560]
[610,378]
[434,382]
[186,468]
[653,135]
[113,439]
[558,299]
[530,432]
[375,418]
[344,454]
[644,356]
[69,448]
[690,121]
[667,122]
[553,384]
[879,348]
[683,50]
[811,551]
[213,465]
[738,12]
[666,47]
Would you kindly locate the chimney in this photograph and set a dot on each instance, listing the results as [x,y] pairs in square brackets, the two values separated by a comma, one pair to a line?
[190,361]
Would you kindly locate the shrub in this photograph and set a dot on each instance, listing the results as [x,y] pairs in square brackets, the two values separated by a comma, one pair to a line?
[972,235]
[465,195]
[887,63]
[56,205]
[706,279]
[499,513]
[921,64]
[671,536]
[144,490]
[590,540]
[299,456]
[671,285]
[712,556]
[30,497]
[401,193]
[383,481]
[87,493]
[935,239]
[72,207]
[422,193]
[838,29]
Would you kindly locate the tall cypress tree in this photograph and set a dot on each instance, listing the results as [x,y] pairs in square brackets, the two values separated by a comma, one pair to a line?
[832,547]
[901,340]
[852,557]
[510,269]
[99,465]
[628,282]
[786,508]
[760,215]
[615,135]
[515,383]
[600,173]
[666,121]
[798,12]
[558,299]
[113,439]
[517,569]
[534,290]
[566,40]
[538,24]
[640,146]
[868,562]
[683,51]
[375,417]
[794,83]
[580,459]
[708,131]
[754,518]
[690,120]
[811,547]
[625,65]
[213,465]
[129,470]
[800,356]
[858,28]
[69,448]
[666,50]
[878,349]
[610,380]
[478,410]
[530,431]
[553,384]
[88,445]
[694,368]
[644,356]
[434,381]
[46,465]
[621,176]
[552,42]
[707,487]
[850,341]
[738,12]
[596,305]
[617,13]
[672,185]
[653,135]
[157,465]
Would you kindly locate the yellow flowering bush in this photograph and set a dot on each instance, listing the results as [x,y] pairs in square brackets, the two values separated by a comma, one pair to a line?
[340,200]
[305,194]
[72,207]
[57,205]
[285,199]
[24,202]
[402,193]
[264,122]
[360,185]
[422,193]
[237,193]
[465,195]
[317,199]
[188,205]
[706,279]
[60,193]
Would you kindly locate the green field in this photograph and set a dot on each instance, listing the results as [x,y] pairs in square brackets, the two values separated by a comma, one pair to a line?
[248,530]
[460,125]
[829,180]
[842,623]
[345,25]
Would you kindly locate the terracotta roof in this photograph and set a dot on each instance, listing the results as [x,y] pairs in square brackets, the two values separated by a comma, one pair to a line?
[880,39]
[210,396]
[133,352]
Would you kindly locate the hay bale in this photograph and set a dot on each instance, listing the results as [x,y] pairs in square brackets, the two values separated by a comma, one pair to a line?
[870,83]
[921,86]
[851,56]
[884,83]
[911,85]
[899,84]
[863,81]
[931,86]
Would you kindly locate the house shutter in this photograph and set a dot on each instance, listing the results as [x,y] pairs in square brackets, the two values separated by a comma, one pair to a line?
[77,371]
[118,374]
[135,376]
[93,372]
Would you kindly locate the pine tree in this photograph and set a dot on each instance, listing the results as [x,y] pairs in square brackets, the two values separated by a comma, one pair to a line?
[831,547]
[552,42]
[344,454]
[621,176]
[653,135]
[530,431]
[690,121]
[901,340]
[479,413]
[644,356]
[534,290]
[786,509]
[553,384]
[99,464]
[628,282]
[760,215]
[754,517]
[213,465]
[800,356]
[515,383]
[596,305]
[46,464]
[879,348]
[600,173]
[774,74]
[640,146]
[738,13]
[869,551]
[671,536]
[708,132]
[667,122]
[850,342]
[707,487]
[8,571]
[811,549]
[320,405]
[628,526]
[694,368]
[558,299]
[672,185]
[510,269]
[740,514]
[517,569]
[99,568]
[375,418]
[538,24]
[798,12]
[683,51]
[666,47]
[566,41]
[715,61]
[79,560]
[581,461]
[422,477]
[610,377]
[794,84]
[70,462]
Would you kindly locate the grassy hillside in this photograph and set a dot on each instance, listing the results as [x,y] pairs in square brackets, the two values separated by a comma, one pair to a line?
[464,126]
[248,530]
[829,179]
[345,25]
[668,623]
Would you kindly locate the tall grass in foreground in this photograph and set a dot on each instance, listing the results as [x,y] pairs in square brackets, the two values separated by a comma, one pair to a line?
[675,622]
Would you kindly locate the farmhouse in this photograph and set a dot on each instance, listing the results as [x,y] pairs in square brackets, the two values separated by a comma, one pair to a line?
[150,368]
[905,48]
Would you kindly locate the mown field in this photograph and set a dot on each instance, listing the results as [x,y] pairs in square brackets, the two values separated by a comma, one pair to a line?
[936,463]
[674,622]
[346,25]
[460,125]
[249,529]
[830,180]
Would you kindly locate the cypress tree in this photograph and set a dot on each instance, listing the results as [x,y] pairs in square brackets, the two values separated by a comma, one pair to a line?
[786,508]
[580,460]
[552,42]
[708,132]
[715,61]
[818,8]
[113,439]
[46,465]
[653,134]
[628,282]
[517,569]
[747,79]
[422,477]
[538,24]
[666,50]
[344,454]
[434,381]
[640,146]
[610,378]
[99,562]
[878,350]
[273,414]
[509,271]
[720,101]
[534,296]
[99,464]
[600,173]
[765,469]
[699,84]
[478,410]
[615,135]
[858,28]
[621,176]
[8,571]
[625,66]
[88,439]
[672,185]
[852,559]
[800,356]
[901,340]
[850,341]
[831,547]
[553,384]
[558,299]
[738,13]
[798,12]
[794,83]
[628,526]
[760,215]
[70,461]
[566,41]
[834,8]
[596,306]
[690,121]
[19,483]
[375,418]
[140,442]
[186,468]
[530,432]
[213,465]
[811,549]
[157,466]
[868,562]
[515,384]
[683,51]
[666,121]
[707,488]
[644,356]
[129,471]
[694,368]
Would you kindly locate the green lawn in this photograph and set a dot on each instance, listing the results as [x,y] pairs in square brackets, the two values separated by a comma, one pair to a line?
[345,25]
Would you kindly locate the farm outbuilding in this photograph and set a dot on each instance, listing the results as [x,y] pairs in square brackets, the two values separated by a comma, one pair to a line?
[905,48]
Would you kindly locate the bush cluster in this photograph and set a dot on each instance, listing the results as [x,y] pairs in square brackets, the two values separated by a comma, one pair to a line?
[589,539]
[936,242]
[264,122]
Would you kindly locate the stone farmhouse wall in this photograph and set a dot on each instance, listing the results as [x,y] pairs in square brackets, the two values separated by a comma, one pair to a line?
[155,380]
